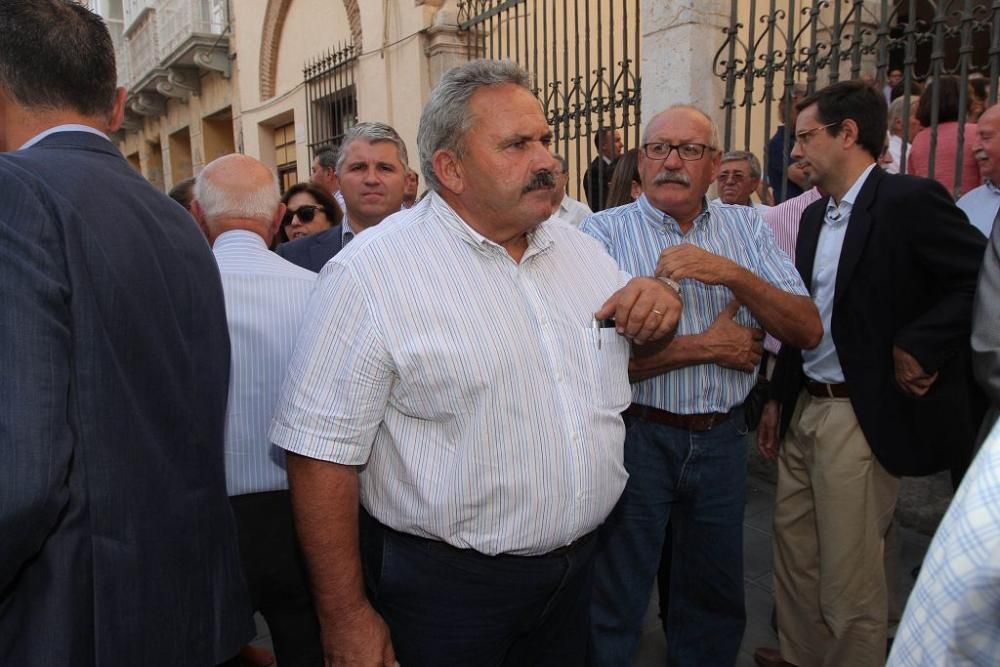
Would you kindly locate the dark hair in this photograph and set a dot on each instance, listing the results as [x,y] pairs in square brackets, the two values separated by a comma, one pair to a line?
[183,192]
[324,199]
[916,88]
[853,100]
[980,87]
[949,89]
[602,133]
[327,156]
[626,171]
[56,54]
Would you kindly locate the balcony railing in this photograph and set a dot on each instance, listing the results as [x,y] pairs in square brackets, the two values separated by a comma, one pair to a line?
[179,20]
[143,47]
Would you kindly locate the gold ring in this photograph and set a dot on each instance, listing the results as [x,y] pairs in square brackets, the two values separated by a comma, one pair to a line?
[657,311]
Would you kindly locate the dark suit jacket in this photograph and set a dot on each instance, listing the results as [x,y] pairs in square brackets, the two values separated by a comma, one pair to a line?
[906,277]
[597,181]
[313,251]
[117,541]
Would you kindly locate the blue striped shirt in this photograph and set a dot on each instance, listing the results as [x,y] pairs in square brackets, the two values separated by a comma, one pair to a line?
[953,614]
[636,233]
[266,298]
[470,387]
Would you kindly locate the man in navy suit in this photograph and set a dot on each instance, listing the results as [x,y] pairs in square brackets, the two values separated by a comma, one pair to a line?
[118,544]
[891,263]
[371,168]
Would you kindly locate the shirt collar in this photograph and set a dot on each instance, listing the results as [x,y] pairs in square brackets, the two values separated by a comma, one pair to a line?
[239,238]
[846,202]
[70,127]
[992,187]
[346,232]
[660,219]
[538,240]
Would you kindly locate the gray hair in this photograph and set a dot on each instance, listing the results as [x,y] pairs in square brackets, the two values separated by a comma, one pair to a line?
[896,108]
[219,203]
[446,119]
[739,156]
[713,129]
[373,133]
[327,157]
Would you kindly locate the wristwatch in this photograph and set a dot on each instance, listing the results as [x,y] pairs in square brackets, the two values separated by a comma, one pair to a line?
[672,284]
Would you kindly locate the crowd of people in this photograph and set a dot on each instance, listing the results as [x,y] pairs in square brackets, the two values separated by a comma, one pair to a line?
[476,426]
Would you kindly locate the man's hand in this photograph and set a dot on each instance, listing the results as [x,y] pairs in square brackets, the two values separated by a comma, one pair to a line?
[689,261]
[767,430]
[359,639]
[910,375]
[765,194]
[644,310]
[796,174]
[733,345]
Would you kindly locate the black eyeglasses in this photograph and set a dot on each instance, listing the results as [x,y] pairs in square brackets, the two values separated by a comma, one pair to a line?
[661,151]
[306,214]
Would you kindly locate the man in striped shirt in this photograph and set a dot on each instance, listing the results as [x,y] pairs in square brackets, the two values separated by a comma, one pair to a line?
[453,375]
[237,205]
[685,448]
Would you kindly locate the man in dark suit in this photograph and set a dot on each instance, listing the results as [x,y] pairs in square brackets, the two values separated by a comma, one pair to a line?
[118,543]
[597,178]
[371,169]
[891,263]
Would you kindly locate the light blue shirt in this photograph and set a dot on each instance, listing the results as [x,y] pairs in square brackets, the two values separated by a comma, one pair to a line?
[822,363]
[636,233]
[483,407]
[981,205]
[953,614]
[70,127]
[265,297]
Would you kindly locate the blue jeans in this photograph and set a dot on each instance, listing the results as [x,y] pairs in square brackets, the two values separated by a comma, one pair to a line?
[447,606]
[697,480]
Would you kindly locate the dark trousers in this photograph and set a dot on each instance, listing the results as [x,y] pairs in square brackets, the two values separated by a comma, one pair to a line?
[448,606]
[276,576]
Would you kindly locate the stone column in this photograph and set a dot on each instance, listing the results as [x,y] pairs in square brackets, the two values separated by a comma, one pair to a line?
[680,38]
[446,46]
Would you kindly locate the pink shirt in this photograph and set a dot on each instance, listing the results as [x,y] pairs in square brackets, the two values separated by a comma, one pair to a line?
[918,158]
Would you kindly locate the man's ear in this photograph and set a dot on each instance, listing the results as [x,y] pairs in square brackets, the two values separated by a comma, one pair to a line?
[117,116]
[449,171]
[198,213]
[849,130]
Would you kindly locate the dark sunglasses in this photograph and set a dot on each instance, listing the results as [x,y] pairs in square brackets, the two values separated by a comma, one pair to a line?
[305,213]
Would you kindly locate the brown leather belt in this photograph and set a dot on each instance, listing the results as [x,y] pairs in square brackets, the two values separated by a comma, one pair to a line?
[823,390]
[696,422]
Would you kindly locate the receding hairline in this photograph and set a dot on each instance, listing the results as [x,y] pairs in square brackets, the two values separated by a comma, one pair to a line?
[713,132]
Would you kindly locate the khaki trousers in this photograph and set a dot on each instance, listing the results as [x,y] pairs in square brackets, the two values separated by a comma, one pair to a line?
[833,508]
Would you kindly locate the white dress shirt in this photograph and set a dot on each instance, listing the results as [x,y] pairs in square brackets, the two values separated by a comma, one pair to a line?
[571,211]
[481,403]
[895,152]
[981,205]
[266,297]
[822,363]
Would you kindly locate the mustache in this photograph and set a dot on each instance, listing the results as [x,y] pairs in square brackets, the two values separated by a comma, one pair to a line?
[543,179]
[672,177]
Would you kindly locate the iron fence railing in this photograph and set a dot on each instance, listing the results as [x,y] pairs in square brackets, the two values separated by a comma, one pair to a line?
[331,97]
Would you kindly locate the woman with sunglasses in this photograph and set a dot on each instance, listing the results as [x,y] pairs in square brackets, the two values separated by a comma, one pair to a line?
[310,211]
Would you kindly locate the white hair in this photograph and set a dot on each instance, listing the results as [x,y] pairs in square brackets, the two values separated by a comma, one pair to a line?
[246,203]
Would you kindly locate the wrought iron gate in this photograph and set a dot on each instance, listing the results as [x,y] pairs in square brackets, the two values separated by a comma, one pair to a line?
[771,46]
[331,100]
[584,55]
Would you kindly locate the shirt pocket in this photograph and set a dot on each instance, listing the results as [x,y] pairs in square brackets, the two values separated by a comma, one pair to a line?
[603,365]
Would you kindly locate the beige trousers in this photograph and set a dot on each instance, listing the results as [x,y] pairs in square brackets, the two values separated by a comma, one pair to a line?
[833,508]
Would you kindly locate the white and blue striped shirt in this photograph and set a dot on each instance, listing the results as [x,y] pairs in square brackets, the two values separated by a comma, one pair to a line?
[470,387]
[266,298]
[636,233]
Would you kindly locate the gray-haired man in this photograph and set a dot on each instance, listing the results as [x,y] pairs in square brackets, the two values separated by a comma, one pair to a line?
[566,209]
[371,169]
[453,373]
[738,178]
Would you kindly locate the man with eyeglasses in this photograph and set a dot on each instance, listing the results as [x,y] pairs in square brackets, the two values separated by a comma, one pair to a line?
[371,170]
[739,177]
[891,263]
[685,447]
